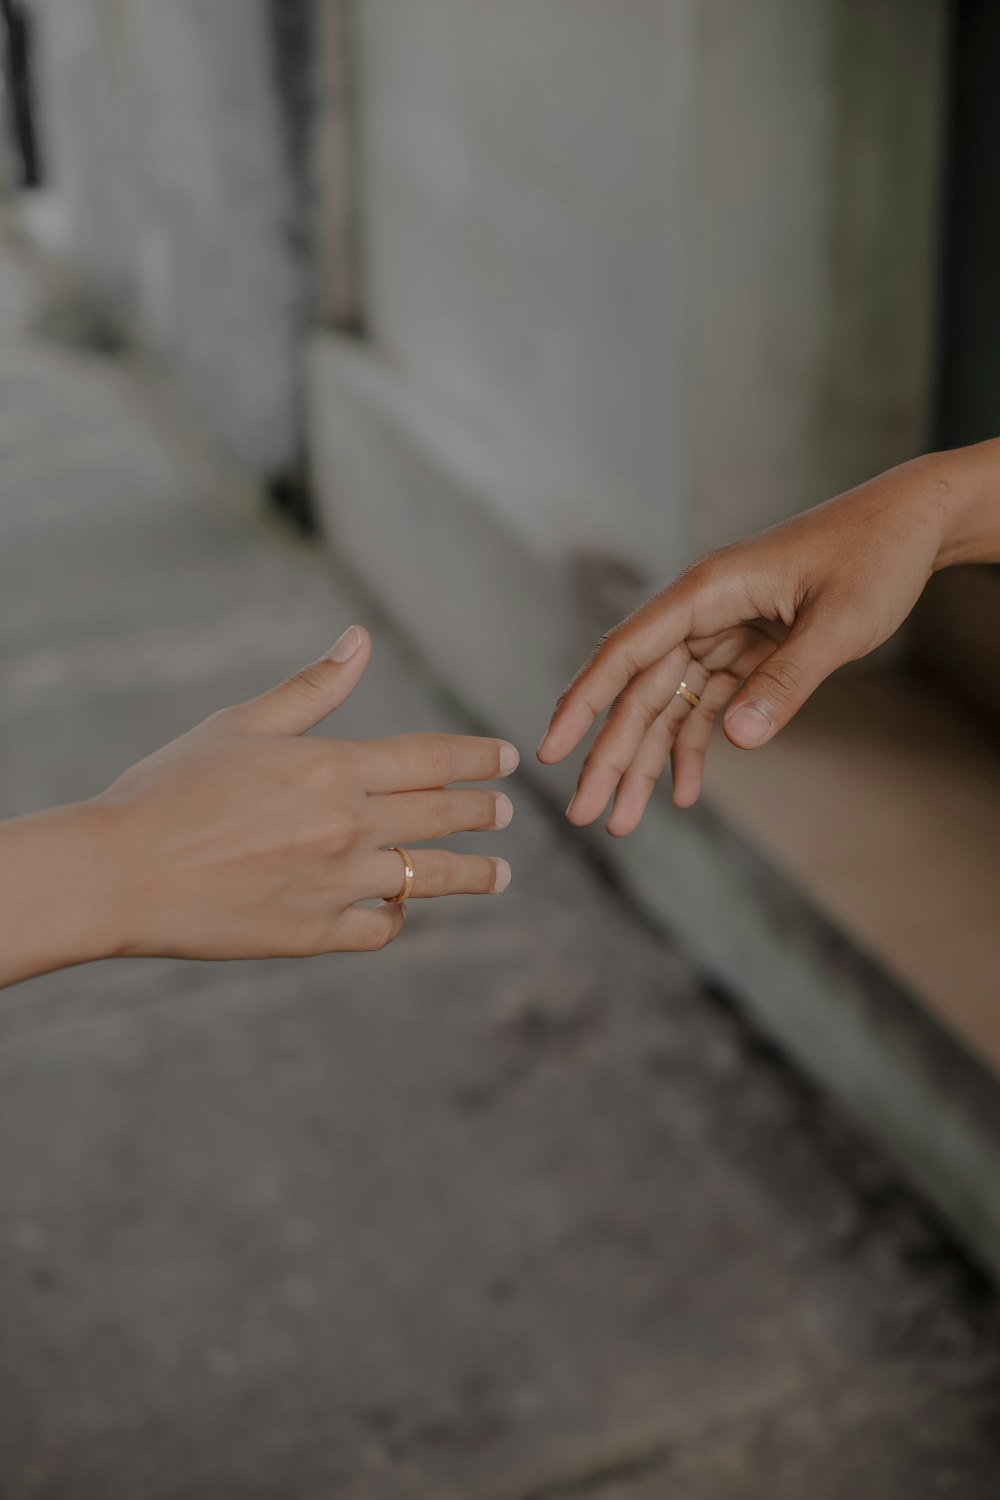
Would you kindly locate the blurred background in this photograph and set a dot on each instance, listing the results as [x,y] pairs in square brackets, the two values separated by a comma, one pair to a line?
[676,1172]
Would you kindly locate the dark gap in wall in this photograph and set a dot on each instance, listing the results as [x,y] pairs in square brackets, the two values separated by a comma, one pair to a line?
[19,88]
[968,396]
[289,494]
[956,626]
[294,30]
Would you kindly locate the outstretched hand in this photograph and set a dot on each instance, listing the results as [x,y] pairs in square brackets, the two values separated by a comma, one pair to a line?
[757,627]
[245,838]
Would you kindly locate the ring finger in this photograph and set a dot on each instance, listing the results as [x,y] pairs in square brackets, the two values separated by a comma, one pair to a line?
[640,778]
[437,872]
[691,743]
[622,733]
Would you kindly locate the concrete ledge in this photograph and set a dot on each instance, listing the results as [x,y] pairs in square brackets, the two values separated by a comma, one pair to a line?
[416,515]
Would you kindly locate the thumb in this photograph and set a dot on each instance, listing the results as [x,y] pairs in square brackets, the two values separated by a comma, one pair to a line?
[775,692]
[304,700]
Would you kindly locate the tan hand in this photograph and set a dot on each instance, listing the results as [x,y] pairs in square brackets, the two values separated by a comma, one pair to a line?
[766,620]
[244,839]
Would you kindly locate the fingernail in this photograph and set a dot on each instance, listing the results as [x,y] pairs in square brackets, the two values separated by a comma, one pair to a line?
[749,725]
[572,803]
[509,759]
[349,645]
[502,878]
[504,812]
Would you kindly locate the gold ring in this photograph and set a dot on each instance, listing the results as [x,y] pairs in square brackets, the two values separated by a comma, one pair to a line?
[409,876]
[685,692]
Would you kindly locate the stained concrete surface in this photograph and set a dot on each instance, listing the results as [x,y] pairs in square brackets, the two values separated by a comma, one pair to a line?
[516,1209]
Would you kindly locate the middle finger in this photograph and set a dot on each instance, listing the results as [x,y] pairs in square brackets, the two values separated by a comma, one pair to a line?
[414,817]
[626,727]
[418,762]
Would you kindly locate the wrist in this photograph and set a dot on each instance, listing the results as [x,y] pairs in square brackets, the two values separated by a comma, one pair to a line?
[967,485]
[59,902]
[92,833]
[81,846]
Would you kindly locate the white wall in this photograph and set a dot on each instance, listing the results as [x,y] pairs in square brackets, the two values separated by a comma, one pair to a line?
[815,195]
[677,255]
[163,136]
[522,189]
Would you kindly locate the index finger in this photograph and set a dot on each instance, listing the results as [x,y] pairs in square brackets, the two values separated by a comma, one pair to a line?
[420,762]
[635,644]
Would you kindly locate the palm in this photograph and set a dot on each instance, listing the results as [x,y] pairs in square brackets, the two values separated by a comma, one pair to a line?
[737,650]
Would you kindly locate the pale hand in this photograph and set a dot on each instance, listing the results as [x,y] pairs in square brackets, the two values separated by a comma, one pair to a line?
[248,839]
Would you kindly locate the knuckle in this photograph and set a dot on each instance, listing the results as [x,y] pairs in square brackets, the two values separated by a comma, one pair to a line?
[346,817]
[618,642]
[443,813]
[714,575]
[224,719]
[642,710]
[441,758]
[781,678]
[307,683]
[385,933]
[484,812]
[440,814]
[702,571]
[591,761]
[602,757]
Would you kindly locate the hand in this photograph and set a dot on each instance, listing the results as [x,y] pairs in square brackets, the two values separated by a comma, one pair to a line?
[244,840]
[766,620]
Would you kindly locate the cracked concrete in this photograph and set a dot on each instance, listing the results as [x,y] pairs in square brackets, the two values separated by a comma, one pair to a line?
[518,1210]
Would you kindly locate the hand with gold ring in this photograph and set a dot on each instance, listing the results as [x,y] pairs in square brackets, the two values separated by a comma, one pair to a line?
[250,838]
[762,624]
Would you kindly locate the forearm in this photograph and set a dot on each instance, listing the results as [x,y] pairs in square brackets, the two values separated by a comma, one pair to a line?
[57,892]
[968,481]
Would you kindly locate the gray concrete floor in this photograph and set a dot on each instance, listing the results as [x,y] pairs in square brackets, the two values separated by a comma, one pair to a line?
[516,1209]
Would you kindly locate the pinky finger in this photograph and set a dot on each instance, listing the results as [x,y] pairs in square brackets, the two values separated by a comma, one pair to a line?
[691,745]
[365,929]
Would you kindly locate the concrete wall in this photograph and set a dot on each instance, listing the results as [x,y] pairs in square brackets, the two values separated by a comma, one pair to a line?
[523,190]
[815,192]
[168,146]
[677,254]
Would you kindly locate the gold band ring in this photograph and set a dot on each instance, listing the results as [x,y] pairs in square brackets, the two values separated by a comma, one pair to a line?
[689,697]
[409,876]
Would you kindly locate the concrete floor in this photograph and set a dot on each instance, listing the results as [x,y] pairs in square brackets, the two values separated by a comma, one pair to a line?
[516,1209]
